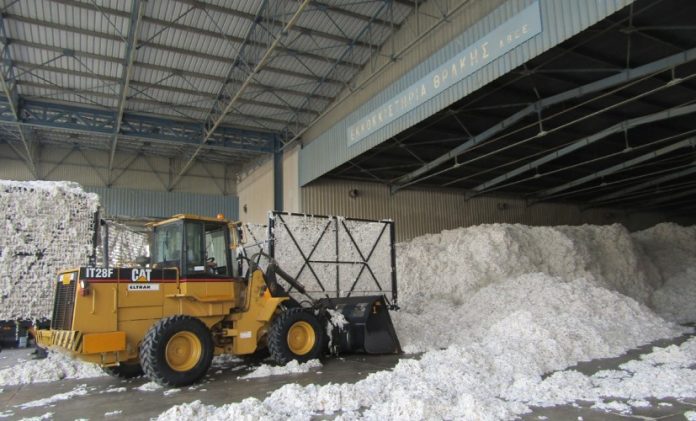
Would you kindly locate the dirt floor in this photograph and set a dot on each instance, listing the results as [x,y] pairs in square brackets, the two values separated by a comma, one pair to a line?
[104,396]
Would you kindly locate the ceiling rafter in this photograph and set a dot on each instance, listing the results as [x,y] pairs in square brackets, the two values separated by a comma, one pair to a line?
[137,7]
[155,67]
[225,102]
[171,49]
[200,31]
[278,26]
[614,80]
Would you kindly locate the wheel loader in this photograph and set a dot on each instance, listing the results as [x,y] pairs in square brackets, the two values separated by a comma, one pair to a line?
[188,301]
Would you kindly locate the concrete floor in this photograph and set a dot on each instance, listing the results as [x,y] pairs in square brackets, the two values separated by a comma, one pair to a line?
[223,386]
[671,409]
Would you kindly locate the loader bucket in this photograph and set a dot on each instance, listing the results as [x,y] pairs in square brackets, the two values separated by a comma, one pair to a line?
[369,328]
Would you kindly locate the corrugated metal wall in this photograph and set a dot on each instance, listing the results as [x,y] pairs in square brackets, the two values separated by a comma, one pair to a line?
[561,19]
[89,168]
[131,202]
[418,212]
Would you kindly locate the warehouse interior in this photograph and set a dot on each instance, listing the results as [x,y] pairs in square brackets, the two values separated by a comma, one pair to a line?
[522,168]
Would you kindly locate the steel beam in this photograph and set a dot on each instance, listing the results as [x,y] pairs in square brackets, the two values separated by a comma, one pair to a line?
[668,198]
[136,15]
[149,66]
[153,103]
[689,142]
[627,75]
[333,9]
[585,141]
[650,183]
[278,26]
[43,114]
[141,88]
[345,53]
[172,49]
[9,88]
[225,103]
[206,32]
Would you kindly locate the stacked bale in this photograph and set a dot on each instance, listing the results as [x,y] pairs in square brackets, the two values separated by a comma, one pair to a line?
[48,226]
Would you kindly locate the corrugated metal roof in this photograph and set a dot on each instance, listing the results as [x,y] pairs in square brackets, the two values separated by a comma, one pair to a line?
[74,52]
[560,20]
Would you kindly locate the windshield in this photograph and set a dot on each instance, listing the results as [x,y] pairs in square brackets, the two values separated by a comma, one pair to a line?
[168,245]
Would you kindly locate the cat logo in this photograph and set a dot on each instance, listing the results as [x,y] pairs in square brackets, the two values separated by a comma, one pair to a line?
[140,275]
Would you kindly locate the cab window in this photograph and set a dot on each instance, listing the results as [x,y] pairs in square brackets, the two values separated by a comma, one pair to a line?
[195,258]
[217,250]
[167,251]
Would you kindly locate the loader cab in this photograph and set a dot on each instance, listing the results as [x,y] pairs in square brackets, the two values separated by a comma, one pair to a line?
[198,247]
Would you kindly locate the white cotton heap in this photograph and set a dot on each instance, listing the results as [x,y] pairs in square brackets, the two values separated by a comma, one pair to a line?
[293,367]
[455,263]
[672,249]
[47,226]
[56,366]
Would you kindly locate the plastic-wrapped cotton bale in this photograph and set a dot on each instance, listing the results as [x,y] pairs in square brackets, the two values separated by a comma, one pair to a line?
[48,226]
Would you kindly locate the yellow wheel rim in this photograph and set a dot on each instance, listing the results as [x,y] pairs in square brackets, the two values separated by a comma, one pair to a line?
[183,351]
[301,338]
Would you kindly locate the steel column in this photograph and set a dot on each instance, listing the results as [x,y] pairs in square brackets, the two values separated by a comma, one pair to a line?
[278,176]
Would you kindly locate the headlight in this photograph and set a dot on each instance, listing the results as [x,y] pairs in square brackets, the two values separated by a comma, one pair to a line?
[84,287]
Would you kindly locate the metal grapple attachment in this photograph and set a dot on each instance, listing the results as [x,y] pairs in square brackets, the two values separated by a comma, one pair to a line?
[369,327]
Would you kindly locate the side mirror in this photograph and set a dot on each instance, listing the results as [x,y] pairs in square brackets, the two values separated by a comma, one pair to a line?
[142,260]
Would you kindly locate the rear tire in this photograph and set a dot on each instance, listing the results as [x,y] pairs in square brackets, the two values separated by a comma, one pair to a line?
[125,370]
[296,334]
[177,351]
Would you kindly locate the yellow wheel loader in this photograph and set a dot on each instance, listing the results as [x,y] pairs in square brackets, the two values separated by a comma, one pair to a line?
[168,317]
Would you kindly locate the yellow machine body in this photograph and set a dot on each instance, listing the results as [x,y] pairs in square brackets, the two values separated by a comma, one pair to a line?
[101,315]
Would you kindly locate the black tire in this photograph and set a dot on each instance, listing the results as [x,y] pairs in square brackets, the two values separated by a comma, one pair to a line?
[278,336]
[153,351]
[125,370]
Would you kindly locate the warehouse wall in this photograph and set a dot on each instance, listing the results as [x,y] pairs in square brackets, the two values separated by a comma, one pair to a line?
[256,189]
[139,185]
[255,192]
[417,212]
[291,183]
[130,171]
[158,204]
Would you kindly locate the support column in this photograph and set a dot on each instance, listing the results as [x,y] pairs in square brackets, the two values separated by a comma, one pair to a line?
[277,175]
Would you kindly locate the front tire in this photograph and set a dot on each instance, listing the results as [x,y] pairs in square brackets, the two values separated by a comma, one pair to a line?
[177,351]
[295,334]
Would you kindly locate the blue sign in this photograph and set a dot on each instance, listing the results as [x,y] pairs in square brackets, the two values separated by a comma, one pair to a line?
[495,44]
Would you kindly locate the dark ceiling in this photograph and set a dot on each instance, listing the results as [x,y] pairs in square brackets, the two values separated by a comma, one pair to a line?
[647,166]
